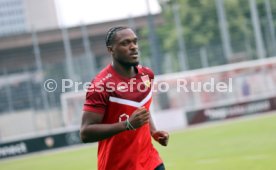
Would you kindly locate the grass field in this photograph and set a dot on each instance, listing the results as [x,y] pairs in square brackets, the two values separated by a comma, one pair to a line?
[247,144]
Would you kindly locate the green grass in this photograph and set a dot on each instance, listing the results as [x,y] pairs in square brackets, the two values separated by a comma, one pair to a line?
[238,145]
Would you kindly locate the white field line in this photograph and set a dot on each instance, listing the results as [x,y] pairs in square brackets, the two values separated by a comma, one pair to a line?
[256,157]
[248,158]
[226,121]
[207,161]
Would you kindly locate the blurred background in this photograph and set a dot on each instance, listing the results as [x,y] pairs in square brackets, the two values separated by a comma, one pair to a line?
[194,40]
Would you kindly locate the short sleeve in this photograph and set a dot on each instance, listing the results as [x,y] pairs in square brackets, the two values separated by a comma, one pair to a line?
[149,72]
[96,101]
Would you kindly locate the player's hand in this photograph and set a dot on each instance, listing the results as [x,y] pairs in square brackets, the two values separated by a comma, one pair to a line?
[139,117]
[161,137]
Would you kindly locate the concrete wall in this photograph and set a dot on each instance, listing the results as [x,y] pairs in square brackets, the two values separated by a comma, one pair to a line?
[41,14]
[28,123]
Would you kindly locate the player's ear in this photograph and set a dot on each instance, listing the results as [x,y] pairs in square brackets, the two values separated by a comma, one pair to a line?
[110,49]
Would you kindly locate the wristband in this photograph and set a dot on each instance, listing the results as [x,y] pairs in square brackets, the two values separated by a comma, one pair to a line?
[129,125]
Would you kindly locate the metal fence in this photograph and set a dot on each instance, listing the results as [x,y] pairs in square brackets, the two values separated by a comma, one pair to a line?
[25,89]
[22,90]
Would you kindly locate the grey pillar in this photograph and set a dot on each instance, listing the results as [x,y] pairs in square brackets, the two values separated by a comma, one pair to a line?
[182,55]
[257,29]
[154,48]
[204,57]
[226,41]
[91,60]
[40,71]
[68,54]
[271,26]
[8,92]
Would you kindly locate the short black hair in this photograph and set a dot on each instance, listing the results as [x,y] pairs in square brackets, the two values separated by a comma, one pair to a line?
[111,34]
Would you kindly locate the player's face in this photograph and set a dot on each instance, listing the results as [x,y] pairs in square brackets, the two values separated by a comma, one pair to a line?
[125,48]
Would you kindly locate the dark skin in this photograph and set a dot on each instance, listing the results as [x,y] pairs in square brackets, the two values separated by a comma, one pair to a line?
[125,56]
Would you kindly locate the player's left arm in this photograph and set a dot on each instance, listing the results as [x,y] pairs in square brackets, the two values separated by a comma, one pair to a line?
[162,137]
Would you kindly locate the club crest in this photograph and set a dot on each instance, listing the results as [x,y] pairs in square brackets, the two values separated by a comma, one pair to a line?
[146,80]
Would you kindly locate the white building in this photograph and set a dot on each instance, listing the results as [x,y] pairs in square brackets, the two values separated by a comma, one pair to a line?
[18,16]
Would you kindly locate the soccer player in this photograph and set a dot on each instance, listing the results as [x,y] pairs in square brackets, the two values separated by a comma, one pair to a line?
[116,109]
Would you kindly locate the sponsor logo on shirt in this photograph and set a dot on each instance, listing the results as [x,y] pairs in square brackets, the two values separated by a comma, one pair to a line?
[123,117]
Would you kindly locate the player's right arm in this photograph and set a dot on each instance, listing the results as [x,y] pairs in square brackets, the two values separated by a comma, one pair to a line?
[93,130]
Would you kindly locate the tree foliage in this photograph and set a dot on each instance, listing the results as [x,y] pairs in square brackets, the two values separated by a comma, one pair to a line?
[200,26]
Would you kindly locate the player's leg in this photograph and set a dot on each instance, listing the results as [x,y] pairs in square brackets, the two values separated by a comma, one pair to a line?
[160,167]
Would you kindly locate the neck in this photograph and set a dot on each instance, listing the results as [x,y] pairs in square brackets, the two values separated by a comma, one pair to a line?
[125,71]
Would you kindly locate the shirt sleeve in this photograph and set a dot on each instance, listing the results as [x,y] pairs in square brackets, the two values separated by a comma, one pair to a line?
[96,100]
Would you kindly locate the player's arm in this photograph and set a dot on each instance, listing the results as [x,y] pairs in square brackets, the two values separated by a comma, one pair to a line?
[93,130]
[152,126]
[161,137]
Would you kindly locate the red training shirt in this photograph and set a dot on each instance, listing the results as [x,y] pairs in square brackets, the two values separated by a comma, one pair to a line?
[129,149]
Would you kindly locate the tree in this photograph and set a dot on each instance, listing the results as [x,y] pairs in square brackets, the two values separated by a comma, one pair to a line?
[201,29]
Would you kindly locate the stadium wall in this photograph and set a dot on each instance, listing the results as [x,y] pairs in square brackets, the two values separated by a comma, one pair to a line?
[39,143]
[254,91]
